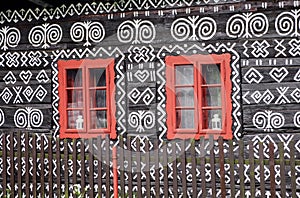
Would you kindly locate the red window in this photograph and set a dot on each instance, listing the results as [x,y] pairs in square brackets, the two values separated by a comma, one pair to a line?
[86,103]
[198,96]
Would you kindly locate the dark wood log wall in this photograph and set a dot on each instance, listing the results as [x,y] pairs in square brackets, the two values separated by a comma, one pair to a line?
[265,63]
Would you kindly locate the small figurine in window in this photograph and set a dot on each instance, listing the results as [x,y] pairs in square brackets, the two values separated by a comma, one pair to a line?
[79,122]
[216,122]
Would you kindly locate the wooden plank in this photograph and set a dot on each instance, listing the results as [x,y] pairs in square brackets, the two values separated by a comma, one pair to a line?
[27,165]
[12,165]
[50,157]
[222,168]
[293,168]
[91,168]
[241,168]
[74,159]
[4,161]
[282,170]
[99,146]
[107,171]
[129,171]
[175,172]
[147,168]
[272,170]
[138,167]
[165,170]
[34,164]
[156,161]
[42,161]
[183,169]
[121,162]
[202,166]
[66,171]
[231,171]
[212,167]
[252,173]
[194,167]
[58,167]
[19,161]
[262,169]
[82,165]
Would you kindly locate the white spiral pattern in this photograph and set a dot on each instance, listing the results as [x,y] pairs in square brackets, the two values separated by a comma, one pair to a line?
[28,118]
[277,120]
[77,32]
[260,120]
[268,121]
[141,120]
[134,120]
[20,118]
[258,25]
[287,23]
[9,37]
[36,118]
[180,29]
[2,117]
[247,25]
[148,120]
[13,37]
[297,119]
[88,31]
[205,27]
[45,35]
[136,31]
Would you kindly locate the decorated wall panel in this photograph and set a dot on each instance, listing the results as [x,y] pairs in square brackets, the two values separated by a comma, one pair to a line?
[265,70]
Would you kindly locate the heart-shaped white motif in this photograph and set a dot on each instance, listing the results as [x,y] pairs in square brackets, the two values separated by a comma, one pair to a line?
[142,76]
[25,76]
[278,74]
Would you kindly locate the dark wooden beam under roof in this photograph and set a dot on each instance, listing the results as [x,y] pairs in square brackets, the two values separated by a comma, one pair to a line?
[26,4]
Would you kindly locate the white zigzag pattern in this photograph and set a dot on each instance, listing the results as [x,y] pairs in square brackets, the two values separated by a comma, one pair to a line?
[91,8]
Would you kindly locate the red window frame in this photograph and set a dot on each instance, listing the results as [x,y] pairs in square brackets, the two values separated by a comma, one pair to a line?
[226,104]
[85,65]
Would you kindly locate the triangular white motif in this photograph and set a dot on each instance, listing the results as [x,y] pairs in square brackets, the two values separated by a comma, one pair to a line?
[42,77]
[297,76]
[10,78]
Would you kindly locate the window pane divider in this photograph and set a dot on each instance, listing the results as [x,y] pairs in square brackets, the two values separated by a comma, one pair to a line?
[211,108]
[211,85]
[187,108]
[74,88]
[184,86]
[97,88]
[98,109]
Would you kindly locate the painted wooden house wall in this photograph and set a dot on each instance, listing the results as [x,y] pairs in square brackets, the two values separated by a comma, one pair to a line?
[261,37]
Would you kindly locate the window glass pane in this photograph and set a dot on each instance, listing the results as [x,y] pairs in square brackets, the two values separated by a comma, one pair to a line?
[75,98]
[185,97]
[185,119]
[97,98]
[211,74]
[74,78]
[98,119]
[184,75]
[97,77]
[212,119]
[75,120]
[212,96]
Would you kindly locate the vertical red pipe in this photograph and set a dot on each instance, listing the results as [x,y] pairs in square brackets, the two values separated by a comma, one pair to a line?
[115,171]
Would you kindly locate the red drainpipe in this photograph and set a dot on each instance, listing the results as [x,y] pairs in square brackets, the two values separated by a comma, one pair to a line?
[115,171]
